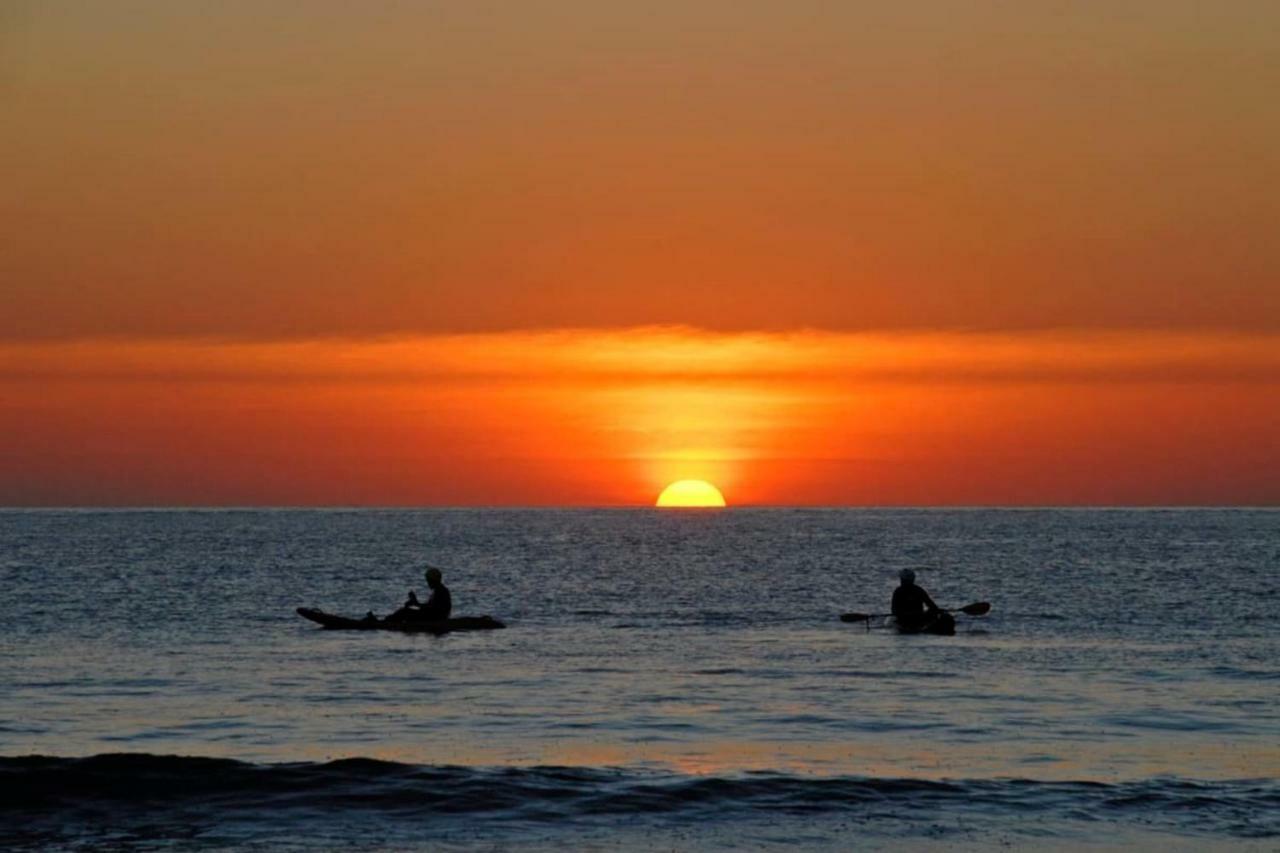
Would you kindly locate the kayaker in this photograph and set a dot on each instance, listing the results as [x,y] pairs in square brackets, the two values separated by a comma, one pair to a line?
[912,606]
[434,609]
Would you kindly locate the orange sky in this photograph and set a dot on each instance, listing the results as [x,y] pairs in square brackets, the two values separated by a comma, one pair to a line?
[565,252]
[610,417]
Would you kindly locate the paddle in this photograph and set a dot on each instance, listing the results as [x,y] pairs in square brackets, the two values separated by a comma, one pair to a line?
[978,608]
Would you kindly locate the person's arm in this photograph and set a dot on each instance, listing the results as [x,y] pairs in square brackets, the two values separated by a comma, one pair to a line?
[929,601]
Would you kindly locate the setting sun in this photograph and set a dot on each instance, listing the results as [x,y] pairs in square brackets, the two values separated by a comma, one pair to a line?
[691,493]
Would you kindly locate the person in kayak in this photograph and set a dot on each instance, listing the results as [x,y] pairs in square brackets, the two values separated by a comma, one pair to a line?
[435,609]
[912,607]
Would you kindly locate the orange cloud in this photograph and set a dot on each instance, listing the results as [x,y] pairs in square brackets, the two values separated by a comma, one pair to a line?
[590,417]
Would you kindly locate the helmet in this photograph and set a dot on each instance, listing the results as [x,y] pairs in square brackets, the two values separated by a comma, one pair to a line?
[433,575]
[907,576]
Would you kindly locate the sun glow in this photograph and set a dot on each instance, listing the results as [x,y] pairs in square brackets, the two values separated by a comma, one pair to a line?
[691,493]
[603,418]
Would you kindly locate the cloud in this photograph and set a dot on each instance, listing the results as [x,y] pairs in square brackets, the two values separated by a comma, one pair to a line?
[664,354]
[591,417]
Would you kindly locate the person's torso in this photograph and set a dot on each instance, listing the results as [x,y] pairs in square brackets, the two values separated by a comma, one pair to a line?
[908,601]
[440,605]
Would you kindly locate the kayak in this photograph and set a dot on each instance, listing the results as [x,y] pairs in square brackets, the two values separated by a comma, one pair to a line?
[942,624]
[334,622]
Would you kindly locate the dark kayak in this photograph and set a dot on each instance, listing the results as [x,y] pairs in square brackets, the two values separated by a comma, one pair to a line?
[443,626]
[942,623]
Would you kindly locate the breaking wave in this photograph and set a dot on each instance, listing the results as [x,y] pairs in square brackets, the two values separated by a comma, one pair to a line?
[141,798]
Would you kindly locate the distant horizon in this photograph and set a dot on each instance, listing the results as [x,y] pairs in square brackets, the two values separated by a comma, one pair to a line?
[595,507]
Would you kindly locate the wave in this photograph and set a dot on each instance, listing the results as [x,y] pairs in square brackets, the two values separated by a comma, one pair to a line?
[46,801]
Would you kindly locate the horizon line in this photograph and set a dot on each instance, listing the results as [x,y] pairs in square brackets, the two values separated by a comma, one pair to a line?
[608,507]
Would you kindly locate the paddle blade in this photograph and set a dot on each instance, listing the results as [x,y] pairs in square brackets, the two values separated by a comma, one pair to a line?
[978,608]
[854,617]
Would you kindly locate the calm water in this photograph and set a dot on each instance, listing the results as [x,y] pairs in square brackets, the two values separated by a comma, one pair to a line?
[668,680]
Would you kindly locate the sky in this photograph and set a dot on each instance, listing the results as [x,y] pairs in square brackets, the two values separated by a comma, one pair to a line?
[563,253]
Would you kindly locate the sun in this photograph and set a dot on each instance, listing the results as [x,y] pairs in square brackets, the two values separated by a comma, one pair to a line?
[690,493]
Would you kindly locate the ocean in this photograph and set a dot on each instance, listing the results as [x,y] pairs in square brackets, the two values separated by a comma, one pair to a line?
[668,680]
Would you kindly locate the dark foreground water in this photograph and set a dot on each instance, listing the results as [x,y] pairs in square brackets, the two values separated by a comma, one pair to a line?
[669,680]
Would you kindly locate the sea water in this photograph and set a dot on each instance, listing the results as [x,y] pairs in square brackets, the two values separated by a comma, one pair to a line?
[667,680]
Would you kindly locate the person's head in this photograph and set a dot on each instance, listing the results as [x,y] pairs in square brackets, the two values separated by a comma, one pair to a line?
[907,577]
[433,577]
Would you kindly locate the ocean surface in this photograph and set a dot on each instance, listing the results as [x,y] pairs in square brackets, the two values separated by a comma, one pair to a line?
[667,680]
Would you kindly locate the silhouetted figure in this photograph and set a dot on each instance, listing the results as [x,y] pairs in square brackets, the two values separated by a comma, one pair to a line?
[434,609]
[912,607]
